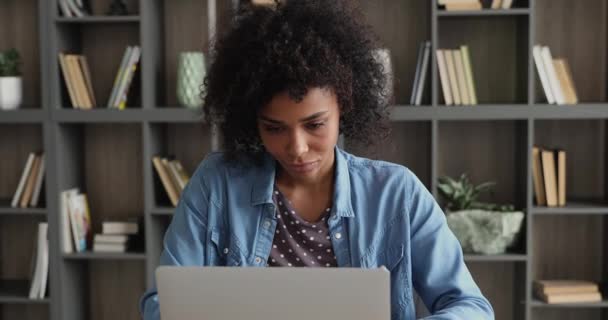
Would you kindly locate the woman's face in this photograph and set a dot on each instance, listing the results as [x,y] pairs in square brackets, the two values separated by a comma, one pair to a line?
[301,136]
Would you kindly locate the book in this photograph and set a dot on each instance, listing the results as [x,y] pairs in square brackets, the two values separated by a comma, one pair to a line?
[165,180]
[109,247]
[570,81]
[22,181]
[537,177]
[119,227]
[119,76]
[548,165]
[423,72]
[86,72]
[31,181]
[564,286]
[468,72]
[66,231]
[506,4]
[560,157]
[542,74]
[38,183]
[80,220]
[111,238]
[496,4]
[552,76]
[476,5]
[460,77]
[123,91]
[449,59]
[570,297]
[443,76]
[39,280]
[417,74]
[565,81]
[67,79]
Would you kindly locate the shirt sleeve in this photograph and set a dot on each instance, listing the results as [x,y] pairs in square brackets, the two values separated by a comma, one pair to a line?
[439,273]
[185,240]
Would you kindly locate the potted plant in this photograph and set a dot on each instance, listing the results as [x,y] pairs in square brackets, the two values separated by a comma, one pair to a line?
[10,80]
[482,228]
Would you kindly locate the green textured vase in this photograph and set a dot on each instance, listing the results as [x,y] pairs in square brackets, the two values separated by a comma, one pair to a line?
[190,75]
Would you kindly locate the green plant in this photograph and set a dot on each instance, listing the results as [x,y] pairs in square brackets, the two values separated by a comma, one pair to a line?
[461,194]
[9,63]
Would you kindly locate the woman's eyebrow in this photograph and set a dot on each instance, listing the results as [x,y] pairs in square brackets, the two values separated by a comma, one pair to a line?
[308,118]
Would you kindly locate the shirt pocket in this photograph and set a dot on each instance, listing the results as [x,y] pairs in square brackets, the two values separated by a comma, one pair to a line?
[390,258]
[222,251]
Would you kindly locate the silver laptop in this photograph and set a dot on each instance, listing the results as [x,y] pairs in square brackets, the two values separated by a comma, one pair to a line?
[230,293]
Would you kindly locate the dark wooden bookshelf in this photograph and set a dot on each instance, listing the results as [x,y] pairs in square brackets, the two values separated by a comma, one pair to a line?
[107,153]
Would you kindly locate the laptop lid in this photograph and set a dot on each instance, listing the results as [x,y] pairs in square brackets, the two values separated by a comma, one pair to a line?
[229,293]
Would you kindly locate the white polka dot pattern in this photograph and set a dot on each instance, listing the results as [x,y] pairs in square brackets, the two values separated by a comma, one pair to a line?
[297,242]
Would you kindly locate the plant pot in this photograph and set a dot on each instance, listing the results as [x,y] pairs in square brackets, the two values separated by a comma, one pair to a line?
[11,93]
[485,232]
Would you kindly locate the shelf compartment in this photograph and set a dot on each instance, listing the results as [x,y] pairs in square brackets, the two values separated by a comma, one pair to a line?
[584,143]
[103,161]
[559,25]
[19,29]
[498,53]
[411,21]
[16,143]
[187,142]
[103,45]
[486,151]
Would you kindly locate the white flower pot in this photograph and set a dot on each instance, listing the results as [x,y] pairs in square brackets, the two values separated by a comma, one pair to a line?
[11,92]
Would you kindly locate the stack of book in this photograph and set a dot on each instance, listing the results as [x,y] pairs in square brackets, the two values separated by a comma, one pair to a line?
[453,5]
[456,75]
[30,183]
[77,76]
[40,275]
[566,291]
[75,221]
[119,236]
[549,176]
[555,77]
[172,175]
[422,65]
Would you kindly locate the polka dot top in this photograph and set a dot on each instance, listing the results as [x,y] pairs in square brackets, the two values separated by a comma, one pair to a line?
[297,242]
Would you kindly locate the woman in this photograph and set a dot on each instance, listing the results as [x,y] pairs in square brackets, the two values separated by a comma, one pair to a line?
[284,83]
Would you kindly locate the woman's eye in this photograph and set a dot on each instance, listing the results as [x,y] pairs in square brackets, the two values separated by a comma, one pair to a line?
[315,125]
[273,129]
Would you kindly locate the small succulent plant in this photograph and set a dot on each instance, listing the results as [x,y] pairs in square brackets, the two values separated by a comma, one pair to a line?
[461,194]
[9,63]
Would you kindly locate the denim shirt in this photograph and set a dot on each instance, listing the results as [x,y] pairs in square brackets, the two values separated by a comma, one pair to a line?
[382,215]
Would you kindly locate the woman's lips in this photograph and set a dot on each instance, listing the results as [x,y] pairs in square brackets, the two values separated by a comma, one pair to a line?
[303,167]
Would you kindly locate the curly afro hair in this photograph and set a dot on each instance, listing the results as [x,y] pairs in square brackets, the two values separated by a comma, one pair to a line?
[291,47]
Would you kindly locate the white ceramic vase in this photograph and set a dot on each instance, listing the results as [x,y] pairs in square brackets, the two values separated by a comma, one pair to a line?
[11,92]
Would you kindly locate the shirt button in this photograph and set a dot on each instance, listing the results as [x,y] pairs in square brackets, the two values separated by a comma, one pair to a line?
[258,260]
[338,235]
[267,224]
[226,250]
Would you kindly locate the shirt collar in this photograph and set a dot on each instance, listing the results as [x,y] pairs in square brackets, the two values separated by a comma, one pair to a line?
[262,186]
